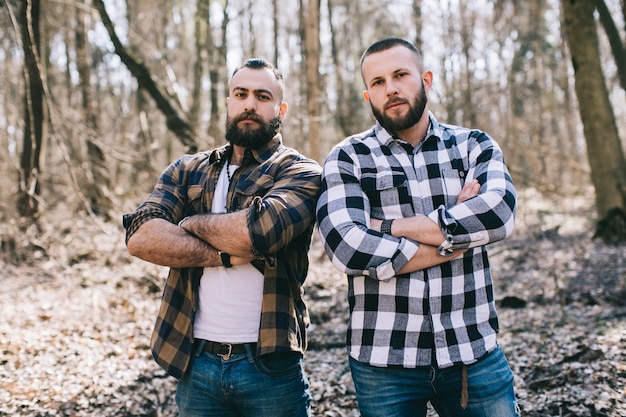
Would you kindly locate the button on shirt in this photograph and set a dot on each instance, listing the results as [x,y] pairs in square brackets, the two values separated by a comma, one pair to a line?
[443,315]
[278,187]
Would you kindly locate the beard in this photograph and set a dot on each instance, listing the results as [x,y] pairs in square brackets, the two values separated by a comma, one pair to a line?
[249,136]
[400,123]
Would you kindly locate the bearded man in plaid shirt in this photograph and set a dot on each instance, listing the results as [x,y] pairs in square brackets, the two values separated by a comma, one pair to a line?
[406,211]
[234,225]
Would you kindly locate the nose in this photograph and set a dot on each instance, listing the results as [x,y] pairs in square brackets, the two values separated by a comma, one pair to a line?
[250,104]
[392,90]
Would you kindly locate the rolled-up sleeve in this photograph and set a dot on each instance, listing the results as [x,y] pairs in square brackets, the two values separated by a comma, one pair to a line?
[343,219]
[490,216]
[168,199]
[287,210]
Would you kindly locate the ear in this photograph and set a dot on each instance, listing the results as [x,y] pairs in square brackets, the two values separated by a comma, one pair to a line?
[427,77]
[366,96]
[282,110]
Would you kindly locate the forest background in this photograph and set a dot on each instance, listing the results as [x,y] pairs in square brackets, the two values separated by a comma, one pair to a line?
[97,97]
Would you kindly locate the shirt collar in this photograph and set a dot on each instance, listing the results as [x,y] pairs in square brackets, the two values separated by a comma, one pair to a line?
[386,138]
[259,155]
[263,153]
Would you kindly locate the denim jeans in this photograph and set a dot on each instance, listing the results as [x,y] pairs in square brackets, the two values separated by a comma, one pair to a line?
[244,386]
[401,392]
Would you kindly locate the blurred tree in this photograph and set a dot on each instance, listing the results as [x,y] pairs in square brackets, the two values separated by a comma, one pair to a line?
[29,188]
[175,122]
[418,23]
[604,149]
[201,35]
[617,46]
[503,68]
[217,49]
[310,23]
[96,181]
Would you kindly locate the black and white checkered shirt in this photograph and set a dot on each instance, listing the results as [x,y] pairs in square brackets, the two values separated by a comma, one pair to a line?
[445,312]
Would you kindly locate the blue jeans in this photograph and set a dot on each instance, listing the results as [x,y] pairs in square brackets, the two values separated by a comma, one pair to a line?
[401,392]
[244,386]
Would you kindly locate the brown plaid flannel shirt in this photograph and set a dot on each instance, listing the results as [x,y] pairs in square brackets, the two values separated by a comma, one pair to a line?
[279,188]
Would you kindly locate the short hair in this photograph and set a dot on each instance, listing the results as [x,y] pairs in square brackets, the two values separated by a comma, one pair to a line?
[388,43]
[262,63]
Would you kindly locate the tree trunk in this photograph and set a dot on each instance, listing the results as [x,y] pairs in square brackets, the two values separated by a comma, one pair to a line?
[468,100]
[201,26]
[604,149]
[96,184]
[418,23]
[349,99]
[276,14]
[217,72]
[34,113]
[311,26]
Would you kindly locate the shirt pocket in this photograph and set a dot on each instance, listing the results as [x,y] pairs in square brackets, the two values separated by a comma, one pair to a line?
[195,194]
[384,188]
[247,190]
[453,181]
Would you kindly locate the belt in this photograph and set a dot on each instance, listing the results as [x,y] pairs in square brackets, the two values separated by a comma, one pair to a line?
[224,350]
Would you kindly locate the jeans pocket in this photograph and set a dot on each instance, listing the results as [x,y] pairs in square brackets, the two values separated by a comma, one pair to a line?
[278,363]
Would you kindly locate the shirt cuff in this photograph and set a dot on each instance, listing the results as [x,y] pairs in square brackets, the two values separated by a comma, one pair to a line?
[387,270]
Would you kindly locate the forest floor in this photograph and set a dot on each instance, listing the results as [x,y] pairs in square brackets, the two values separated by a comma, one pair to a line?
[76,313]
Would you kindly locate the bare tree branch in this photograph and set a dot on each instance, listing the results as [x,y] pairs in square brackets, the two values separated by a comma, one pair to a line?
[615,41]
[175,122]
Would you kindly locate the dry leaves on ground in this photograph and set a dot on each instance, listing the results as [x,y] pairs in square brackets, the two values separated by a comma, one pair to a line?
[76,316]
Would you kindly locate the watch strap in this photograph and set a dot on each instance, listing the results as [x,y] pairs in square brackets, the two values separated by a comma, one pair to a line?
[225,257]
[385,227]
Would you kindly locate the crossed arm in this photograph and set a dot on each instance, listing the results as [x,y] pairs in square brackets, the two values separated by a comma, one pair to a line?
[423,230]
[195,243]
[259,231]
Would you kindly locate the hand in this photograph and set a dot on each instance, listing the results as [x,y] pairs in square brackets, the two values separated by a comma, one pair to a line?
[470,189]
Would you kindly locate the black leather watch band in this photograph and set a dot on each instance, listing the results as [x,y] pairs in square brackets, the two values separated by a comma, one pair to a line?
[225,259]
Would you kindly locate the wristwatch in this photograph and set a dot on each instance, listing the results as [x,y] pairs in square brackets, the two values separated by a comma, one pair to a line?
[385,227]
[225,257]
[445,249]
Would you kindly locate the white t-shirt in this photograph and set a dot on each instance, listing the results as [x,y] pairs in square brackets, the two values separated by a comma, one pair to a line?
[230,298]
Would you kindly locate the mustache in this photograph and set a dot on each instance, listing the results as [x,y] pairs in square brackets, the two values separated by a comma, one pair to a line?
[395,100]
[247,115]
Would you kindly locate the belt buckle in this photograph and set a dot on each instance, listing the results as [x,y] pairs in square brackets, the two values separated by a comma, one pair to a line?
[226,356]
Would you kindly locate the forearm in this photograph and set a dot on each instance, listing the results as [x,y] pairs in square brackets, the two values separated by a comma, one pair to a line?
[427,256]
[423,229]
[225,232]
[418,228]
[163,243]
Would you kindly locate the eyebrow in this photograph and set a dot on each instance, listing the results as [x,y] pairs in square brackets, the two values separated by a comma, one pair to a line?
[394,72]
[258,90]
